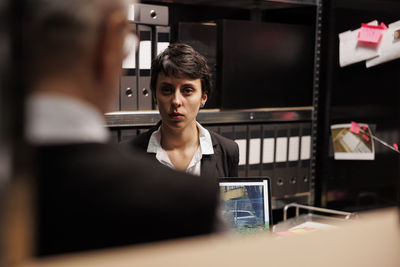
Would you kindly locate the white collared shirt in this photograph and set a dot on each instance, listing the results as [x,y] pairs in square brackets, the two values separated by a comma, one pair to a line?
[56,119]
[194,167]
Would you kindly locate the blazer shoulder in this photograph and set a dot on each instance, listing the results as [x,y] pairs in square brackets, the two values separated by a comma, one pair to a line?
[142,140]
[224,142]
[226,154]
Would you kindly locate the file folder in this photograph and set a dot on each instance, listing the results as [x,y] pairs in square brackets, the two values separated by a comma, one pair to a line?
[128,86]
[130,45]
[128,92]
[255,166]
[268,150]
[241,138]
[227,131]
[292,166]
[305,155]
[294,142]
[280,177]
[148,14]
[304,178]
[162,38]
[144,95]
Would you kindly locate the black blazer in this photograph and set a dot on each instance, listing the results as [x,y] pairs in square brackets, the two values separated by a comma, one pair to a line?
[223,163]
[93,196]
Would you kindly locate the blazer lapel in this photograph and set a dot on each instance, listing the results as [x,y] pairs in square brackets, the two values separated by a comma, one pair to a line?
[209,165]
[209,162]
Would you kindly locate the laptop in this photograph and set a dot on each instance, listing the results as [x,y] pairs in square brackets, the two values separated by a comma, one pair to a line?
[246,203]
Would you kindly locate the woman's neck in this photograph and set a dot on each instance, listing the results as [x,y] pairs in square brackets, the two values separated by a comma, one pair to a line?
[181,138]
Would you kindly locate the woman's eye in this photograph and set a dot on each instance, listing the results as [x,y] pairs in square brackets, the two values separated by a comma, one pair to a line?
[187,90]
[166,90]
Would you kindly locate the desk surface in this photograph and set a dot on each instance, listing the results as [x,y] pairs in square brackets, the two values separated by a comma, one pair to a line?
[372,240]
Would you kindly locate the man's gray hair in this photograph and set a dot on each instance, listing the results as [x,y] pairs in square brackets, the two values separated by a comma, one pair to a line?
[64,29]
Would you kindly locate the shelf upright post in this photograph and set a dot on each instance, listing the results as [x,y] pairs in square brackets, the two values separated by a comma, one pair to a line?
[316,88]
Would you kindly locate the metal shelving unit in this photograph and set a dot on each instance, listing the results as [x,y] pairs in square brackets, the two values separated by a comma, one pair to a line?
[316,87]
[246,4]
[213,116]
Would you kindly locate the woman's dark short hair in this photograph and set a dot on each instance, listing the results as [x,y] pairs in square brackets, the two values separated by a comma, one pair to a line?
[181,60]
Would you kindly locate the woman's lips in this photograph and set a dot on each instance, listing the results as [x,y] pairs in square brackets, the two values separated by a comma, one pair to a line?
[176,116]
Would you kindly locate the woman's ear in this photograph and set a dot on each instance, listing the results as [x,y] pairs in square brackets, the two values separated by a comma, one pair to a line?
[203,99]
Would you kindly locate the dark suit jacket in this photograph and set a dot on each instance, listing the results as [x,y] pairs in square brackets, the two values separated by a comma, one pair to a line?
[223,163]
[95,196]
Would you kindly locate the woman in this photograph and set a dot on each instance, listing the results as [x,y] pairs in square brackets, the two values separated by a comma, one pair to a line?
[180,84]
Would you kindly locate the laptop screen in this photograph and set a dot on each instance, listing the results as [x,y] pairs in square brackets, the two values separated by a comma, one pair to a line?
[246,203]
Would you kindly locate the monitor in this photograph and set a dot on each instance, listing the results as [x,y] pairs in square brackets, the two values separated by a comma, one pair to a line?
[246,203]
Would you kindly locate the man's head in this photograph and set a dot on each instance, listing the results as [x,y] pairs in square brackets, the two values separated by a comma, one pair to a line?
[75,47]
[181,60]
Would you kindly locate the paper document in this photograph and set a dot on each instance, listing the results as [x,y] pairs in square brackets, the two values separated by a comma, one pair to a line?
[389,48]
[352,51]
[352,144]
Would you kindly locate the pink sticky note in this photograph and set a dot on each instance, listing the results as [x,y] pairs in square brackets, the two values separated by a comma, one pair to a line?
[371,34]
[354,127]
[396,147]
[365,137]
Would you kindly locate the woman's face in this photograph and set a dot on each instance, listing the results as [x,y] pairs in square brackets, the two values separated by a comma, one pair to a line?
[179,100]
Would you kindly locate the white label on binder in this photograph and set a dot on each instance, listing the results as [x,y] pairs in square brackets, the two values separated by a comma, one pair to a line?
[161,46]
[131,12]
[130,46]
[294,148]
[242,151]
[145,55]
[268,150]
[254,151]
[305,147]
[281,149]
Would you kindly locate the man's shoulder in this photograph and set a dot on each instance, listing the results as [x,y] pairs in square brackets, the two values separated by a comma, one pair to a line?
[99,161]
[87,154]
[100,181]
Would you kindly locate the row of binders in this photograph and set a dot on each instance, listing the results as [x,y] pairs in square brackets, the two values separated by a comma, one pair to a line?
[280,151]
[150,23]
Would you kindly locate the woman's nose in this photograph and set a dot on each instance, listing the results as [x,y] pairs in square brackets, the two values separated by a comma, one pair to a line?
[177,99]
